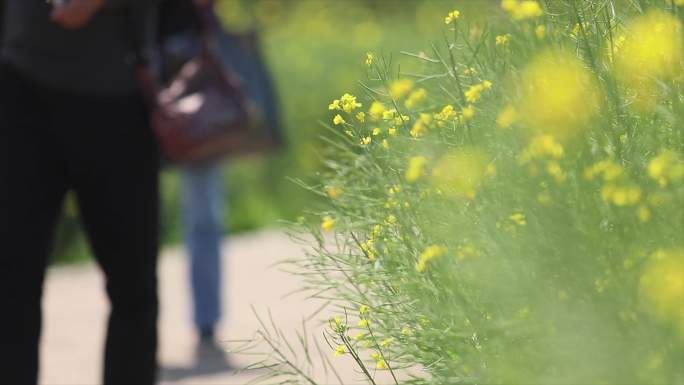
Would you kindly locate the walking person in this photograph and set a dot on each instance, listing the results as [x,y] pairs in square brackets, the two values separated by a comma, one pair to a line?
[203,217]
[72,118]
[202,187]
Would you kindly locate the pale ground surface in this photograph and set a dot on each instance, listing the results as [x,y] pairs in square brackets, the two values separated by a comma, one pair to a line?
[75,311]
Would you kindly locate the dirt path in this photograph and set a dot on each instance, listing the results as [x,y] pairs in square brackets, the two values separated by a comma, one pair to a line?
[75,310]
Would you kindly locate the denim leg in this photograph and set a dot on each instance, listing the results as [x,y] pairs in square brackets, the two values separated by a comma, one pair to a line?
[203,212]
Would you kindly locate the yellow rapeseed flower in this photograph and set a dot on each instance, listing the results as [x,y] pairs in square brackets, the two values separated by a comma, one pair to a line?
[376,110]
[415,98]
[644,214]
[542,147]
[666,168]
[400,88]
[333,192]
[468,112]
[607,169]
[621,195]
[338,119]
[522,9]
[428,255]
[361,116]
[518,218]
[416,168]
[503,39]
[446,114]
[453,15]
[369,59]
[459,174]
[366,140]
[652,52]
[560,96]
[507,117]
[328,223]
[661,287]
[347,103]
[474,93]
[340,350]
[419,129]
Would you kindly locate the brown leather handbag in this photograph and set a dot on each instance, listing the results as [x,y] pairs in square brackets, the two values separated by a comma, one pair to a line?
[202,113]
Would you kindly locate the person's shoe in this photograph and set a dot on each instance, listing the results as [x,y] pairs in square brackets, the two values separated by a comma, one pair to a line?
[210,357]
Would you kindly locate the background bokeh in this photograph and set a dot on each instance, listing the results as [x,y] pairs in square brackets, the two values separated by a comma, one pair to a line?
[315,50]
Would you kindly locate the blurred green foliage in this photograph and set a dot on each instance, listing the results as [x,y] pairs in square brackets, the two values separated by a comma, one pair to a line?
[315,50]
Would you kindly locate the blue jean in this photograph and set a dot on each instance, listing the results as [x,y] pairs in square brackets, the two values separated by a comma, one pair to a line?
[203,213]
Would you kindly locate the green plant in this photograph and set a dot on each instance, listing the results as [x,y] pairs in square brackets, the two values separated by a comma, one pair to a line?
[512,211]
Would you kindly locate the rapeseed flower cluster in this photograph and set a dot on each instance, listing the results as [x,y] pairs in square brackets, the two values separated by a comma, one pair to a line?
[512,215]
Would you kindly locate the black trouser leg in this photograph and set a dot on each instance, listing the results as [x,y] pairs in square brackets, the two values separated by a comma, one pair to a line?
[32,185]
[114,168]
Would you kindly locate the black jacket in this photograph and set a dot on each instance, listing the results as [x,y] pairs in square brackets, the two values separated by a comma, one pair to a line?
[96,58]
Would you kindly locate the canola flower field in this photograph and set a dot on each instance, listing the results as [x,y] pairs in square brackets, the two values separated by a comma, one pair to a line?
[508,208]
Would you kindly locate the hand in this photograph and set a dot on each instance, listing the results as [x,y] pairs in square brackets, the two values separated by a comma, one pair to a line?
[76,13]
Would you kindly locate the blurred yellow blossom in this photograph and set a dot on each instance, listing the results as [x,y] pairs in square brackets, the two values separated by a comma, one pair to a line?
[667,167]
[554,169]
[503,39]
[366,140]
[507,117]
[338,119]
[644,214]
[460,173]
[560,96]
[447,113]
[376,131]
[391,219]
[621,195]
[328,223]
[466,251]
[415,98]
[522,9]
[400,88]
[376,110]
[340,350]
[419,129]
[518,218]
[542,147]
[661,287]
[333,192]
[607,169]
[429,254]
[652,52]
[468,112]
[361,117]
[474,93]
[416,168]
[453,15]
[369,59]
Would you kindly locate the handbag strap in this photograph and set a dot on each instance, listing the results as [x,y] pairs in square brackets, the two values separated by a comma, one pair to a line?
[139,58]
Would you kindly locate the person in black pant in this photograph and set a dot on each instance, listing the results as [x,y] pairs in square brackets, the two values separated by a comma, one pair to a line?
[72,118]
